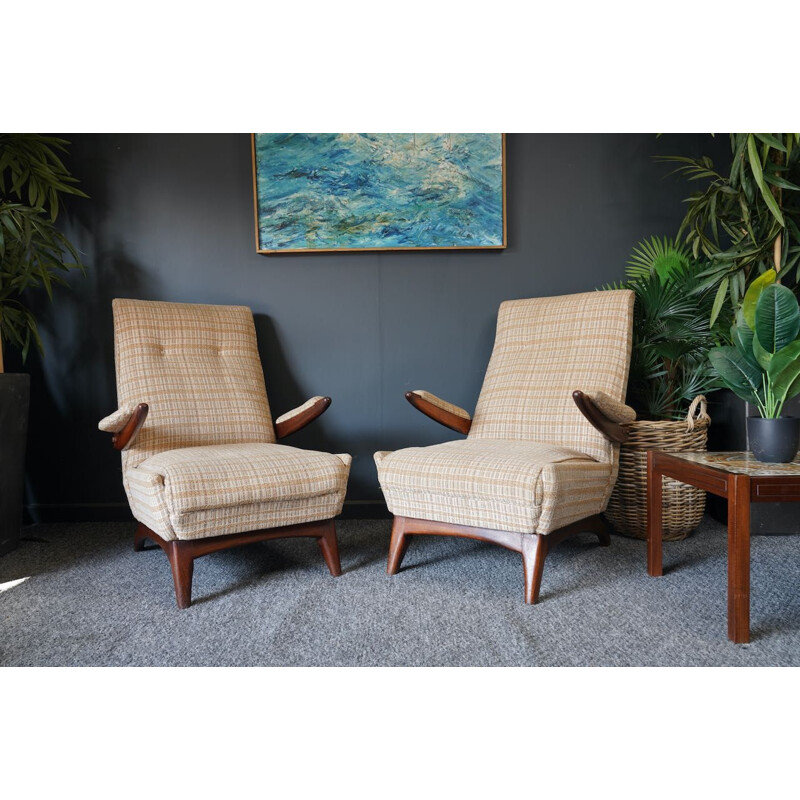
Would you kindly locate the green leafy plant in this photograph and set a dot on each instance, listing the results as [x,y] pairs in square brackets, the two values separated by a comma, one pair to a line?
[34,254]
[671,336]
[763,364]
[745,220]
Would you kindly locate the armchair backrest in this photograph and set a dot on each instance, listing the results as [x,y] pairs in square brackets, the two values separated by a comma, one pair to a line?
[197,367]
[544,349]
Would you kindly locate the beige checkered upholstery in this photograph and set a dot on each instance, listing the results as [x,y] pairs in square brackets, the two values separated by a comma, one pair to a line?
[613,409]
[205,462]
[443,404]
[299,410]
[544,349]
[206,491]
[115,422]
[492,483]
[531,462]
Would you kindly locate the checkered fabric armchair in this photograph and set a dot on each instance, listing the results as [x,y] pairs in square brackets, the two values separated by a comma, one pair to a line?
[540,458]
[200,463]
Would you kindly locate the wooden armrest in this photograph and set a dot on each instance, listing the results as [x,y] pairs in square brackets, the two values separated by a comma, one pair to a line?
[123,438]
[440,415]
[610,429]
[284,427]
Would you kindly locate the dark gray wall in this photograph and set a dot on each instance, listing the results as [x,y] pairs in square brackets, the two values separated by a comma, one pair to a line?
[171,218]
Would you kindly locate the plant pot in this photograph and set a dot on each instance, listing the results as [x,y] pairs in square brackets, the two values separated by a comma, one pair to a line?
[14,398]
[774,440]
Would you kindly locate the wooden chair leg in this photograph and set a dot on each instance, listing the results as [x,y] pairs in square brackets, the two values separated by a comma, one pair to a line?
[139,537]
[330,550]
[182,562]
[397,546]
[534,552]
[603,531]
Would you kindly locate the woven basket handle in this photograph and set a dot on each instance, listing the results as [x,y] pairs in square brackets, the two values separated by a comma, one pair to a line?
[694,416]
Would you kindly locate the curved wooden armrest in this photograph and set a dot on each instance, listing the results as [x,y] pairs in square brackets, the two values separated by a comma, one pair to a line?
[302,419]
[122,439]
[610,429]
[449,420]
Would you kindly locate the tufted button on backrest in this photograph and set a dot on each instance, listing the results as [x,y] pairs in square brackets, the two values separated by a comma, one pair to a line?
[197,367]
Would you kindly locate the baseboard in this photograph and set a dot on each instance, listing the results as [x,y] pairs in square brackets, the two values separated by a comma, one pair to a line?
[120,512]
[76,512]
[365,509]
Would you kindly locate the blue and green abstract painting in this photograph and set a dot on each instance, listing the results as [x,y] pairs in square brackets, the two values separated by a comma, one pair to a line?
[323,191]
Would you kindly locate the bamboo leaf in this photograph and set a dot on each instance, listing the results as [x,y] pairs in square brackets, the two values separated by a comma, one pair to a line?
[719,299]
[754,159]
[781,183]
[771,141]
[34,254]
[772,204]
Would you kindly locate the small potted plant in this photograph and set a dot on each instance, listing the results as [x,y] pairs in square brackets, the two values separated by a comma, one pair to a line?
[763,366]
[34,255]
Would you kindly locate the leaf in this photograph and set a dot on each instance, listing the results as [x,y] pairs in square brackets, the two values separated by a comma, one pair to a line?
[772,204]
[663,256]
[736,372]
[777,319]
[754,292]
[758,174]
[781,183]
[784,372]
[712,212]
[761,356]
[719,299]
[754,159]
[35,254]
[739,141]
[772,141]
[743,340]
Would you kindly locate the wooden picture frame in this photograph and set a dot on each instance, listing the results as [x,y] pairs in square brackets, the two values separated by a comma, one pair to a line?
[480,215]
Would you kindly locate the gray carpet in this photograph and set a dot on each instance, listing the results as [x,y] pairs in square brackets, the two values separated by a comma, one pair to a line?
[90,600]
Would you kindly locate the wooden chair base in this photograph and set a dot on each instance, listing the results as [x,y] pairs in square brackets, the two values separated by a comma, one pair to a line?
[182,553]
[533,547]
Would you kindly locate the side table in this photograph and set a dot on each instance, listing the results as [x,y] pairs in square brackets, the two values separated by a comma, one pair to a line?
[741,479]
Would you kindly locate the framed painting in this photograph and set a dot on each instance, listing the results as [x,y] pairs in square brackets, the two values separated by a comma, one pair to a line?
[321,192]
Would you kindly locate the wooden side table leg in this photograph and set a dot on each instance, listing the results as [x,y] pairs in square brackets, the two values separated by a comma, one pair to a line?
[654,517]
[739,558]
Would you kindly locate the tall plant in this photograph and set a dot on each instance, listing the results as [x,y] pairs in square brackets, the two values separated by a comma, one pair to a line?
[745,220]
[671,336]
[34,254]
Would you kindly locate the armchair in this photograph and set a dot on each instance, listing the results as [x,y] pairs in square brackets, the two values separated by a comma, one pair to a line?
[200,464]
[540,458]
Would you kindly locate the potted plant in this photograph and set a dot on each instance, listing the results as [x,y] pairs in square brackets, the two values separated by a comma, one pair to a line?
[34,255]
[669,377]
[763,366]
[745,219]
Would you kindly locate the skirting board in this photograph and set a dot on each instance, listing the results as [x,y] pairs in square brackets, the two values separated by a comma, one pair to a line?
[119,512]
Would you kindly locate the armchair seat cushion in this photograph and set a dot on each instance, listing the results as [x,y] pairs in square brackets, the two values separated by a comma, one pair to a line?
[499,484]
[206,491]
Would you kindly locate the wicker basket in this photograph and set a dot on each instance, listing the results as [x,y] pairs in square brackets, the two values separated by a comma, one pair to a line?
[683,505]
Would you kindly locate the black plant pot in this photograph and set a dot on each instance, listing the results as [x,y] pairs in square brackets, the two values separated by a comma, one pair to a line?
[14,398]
[774,440]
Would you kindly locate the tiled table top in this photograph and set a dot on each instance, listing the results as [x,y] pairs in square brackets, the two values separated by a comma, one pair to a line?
[741,463]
